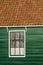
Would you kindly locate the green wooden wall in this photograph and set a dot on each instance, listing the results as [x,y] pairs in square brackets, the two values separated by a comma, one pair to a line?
[34,47]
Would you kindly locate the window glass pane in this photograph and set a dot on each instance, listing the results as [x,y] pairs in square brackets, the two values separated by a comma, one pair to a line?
[12,36]
[21,51]
[12,44]
[17,51]
[21,35]
[17,35]
[17,44]
[12,51]
[21,44]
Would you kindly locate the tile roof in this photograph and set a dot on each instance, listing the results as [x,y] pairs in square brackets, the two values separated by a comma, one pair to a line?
[21,12]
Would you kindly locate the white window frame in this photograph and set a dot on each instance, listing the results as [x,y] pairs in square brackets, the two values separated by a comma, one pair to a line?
[24,43]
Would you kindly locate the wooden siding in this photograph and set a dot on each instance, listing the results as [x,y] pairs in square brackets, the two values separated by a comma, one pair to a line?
[34,47]
[21,12]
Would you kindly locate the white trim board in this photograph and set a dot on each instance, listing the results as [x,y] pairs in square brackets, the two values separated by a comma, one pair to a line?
[24,26]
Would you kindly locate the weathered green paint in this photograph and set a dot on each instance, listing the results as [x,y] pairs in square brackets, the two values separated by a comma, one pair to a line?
[34,47]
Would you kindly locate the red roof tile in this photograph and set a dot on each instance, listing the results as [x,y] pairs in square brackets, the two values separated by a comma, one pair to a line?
[21,12]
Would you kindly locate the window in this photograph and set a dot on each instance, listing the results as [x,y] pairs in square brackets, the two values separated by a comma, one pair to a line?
[16,43]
